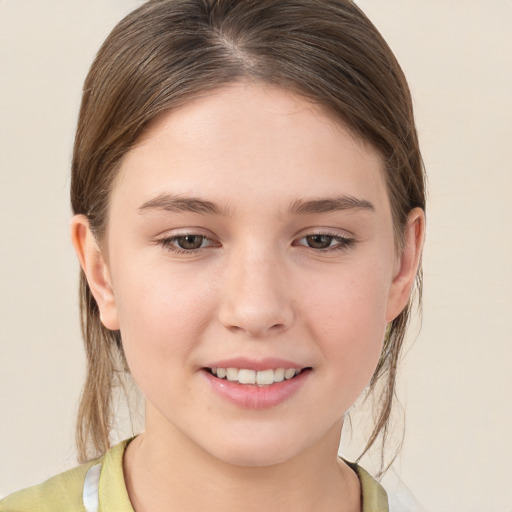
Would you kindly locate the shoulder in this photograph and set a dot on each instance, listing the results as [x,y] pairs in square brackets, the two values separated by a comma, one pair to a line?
[99,482]
[60,493]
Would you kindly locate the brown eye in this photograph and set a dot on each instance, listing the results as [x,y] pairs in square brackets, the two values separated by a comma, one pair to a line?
[319,241]
[190,242]
[325,242]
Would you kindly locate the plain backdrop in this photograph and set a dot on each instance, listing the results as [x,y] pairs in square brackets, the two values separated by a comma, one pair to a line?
[456,379]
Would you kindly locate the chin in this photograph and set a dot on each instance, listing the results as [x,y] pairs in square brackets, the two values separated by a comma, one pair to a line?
[257,450]
[258,457]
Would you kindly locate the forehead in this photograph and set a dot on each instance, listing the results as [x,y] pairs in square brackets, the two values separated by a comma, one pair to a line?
[245,142]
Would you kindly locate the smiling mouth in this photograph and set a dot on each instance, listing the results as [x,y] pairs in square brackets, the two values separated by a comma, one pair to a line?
[258,378]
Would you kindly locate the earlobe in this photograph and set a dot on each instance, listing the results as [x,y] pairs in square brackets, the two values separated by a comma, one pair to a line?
[95,269]
[408,263]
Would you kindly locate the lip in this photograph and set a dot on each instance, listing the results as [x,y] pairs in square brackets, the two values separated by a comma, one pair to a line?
[268,363]
[249,396]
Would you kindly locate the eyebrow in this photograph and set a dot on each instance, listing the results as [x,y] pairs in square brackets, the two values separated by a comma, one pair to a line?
[331,204]
[176,203]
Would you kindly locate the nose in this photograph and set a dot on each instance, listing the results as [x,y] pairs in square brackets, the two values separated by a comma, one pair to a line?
[255,297]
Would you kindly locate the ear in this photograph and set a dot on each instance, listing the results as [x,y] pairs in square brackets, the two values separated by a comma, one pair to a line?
[407,264]
[95,269]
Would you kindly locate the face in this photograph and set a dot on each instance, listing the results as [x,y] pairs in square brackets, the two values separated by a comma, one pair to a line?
[250,236]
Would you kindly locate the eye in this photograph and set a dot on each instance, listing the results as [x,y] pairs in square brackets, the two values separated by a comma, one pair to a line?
[325,242]
[186,243]
[319,241]
[190,242]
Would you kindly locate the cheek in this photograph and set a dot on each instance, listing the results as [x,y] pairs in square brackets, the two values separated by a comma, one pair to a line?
[351,299]
[346,312]
[162,314]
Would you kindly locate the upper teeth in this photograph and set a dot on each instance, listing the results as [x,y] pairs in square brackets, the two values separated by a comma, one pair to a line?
[261,378]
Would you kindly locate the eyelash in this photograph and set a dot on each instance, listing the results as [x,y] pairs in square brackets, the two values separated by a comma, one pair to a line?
[169,243]
[343,243]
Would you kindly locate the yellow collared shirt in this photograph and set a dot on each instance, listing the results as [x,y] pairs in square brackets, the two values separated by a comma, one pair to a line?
[99,486]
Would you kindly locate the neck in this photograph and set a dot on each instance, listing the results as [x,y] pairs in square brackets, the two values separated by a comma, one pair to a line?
[166,468]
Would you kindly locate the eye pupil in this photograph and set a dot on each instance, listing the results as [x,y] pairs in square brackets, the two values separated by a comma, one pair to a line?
[190,241]
[319,241]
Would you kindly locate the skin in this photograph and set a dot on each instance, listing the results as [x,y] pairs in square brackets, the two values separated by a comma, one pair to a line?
[255,288]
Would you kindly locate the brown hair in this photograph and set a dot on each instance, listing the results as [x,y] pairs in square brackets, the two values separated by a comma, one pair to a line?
[166,52]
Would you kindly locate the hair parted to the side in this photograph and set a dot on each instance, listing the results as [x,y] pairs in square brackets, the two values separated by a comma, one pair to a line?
[167,52]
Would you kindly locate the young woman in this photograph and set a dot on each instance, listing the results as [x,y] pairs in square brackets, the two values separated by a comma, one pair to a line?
[249,203]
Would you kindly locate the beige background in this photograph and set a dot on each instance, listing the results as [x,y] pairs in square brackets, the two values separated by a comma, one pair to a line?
[456,383]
